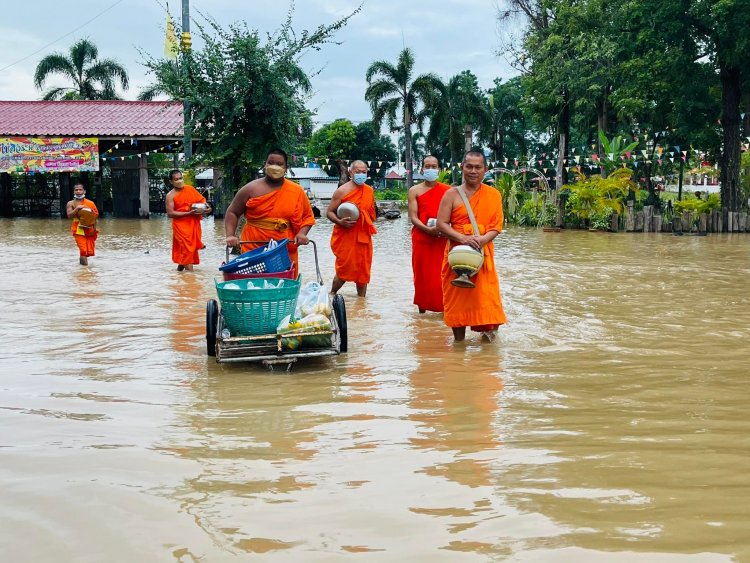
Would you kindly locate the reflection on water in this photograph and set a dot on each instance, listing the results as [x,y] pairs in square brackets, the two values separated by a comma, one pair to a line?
[607,423]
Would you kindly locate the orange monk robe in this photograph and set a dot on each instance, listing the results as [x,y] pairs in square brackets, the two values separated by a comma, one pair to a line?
[480,307]
[186,231]
[85,237]
[353,246]
[278,215]
[427,253]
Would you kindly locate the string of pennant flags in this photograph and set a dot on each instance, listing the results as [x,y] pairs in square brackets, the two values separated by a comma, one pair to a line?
[106,155]
[547,162]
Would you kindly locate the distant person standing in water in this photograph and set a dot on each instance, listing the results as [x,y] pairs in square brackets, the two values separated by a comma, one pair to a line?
[84,214]
[427,243]
[186,207]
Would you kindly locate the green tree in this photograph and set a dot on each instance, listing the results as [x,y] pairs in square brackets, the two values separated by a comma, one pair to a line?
[506,118]
[335,140]
[455,110]
[722,26]
[371,145]
[91,78]
[390,90]
[246,92]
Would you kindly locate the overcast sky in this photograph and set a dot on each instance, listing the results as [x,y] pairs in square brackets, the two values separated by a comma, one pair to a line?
[447,36]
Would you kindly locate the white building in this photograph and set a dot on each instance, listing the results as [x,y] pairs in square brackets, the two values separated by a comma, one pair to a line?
[316,180]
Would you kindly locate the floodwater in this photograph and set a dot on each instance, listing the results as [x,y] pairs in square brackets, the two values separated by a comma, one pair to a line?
[608,422]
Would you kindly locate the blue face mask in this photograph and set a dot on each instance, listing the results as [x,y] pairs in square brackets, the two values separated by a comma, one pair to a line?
[430,174]
[359,178]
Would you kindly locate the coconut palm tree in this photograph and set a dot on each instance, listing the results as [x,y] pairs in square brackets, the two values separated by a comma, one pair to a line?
[391,91]
[506,118]
[91,78]
[455,111]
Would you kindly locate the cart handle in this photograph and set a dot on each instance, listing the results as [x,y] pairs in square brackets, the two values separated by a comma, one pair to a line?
[315,252]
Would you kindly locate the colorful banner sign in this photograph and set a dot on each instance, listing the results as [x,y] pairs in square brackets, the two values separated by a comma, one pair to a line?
[49,154]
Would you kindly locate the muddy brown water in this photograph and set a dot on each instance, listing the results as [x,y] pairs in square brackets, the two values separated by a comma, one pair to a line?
[607,423]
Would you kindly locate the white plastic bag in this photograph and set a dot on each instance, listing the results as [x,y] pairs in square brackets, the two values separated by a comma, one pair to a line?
[313,298]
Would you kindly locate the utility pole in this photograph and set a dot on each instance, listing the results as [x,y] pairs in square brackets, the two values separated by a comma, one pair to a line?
[679,185]
[186,42]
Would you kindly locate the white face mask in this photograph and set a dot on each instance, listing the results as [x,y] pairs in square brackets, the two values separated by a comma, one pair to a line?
[79,196]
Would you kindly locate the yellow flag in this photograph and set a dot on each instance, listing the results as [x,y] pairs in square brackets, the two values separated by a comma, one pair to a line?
[171,46]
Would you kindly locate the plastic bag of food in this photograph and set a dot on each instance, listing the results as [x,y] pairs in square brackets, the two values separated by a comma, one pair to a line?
[314,322]
[288,324]
[313,298]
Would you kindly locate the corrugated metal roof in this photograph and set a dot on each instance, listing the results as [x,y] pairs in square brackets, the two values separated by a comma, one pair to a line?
[300,173]
[106,118]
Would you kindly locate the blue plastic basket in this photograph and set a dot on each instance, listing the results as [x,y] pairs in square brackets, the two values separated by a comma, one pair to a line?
[261,260]
[249,309]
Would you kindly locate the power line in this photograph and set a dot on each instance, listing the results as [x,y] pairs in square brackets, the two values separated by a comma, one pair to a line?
[62,36]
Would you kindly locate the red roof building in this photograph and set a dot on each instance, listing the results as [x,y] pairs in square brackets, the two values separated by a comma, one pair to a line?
[106,119]
[126,131]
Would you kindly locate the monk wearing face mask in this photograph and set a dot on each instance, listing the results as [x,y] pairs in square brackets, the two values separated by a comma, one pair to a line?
[351,240]
[427,243]
[186,207]
[273,207]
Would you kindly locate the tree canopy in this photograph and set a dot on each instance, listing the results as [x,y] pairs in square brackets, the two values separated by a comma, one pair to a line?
[246,92]
[91,78]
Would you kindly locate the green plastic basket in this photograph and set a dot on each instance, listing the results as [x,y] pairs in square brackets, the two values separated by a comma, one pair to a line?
[251,309]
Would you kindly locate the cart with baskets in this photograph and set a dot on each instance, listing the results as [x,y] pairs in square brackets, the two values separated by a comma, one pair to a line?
[241,326]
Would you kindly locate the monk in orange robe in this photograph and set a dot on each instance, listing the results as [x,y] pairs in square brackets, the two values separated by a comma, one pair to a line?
[351,240]
[427,243]
[84,235]
[186,221]
[273,207]
[479,307]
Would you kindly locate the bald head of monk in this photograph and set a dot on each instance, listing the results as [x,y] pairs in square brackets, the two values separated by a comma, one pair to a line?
[79,191]
[474,167]
[358,167]
[430,161]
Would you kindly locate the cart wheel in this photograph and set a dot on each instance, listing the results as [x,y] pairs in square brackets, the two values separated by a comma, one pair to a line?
[339,309]
[212,323]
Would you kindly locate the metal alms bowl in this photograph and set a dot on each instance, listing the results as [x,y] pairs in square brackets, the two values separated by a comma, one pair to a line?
[347,209]
[465,262]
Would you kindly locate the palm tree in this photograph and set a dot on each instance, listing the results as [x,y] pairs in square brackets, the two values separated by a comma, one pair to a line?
[390,90]
[92,78]
[457,109]
[506,118]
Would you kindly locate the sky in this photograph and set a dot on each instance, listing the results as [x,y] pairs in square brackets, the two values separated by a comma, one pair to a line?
[447,36]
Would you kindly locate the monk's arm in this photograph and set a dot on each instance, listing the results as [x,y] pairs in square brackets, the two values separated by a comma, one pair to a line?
[414,214]
[71,209]
[301,237]
[332,207]
[488,237]
[171,213]
[347,222]
[443,222]
[235,210]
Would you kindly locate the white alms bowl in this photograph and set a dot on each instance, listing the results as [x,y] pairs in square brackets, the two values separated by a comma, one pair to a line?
[465,257]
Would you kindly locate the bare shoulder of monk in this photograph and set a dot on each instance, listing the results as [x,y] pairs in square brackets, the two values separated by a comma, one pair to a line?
[259,187]
[346,189]
[419,189]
